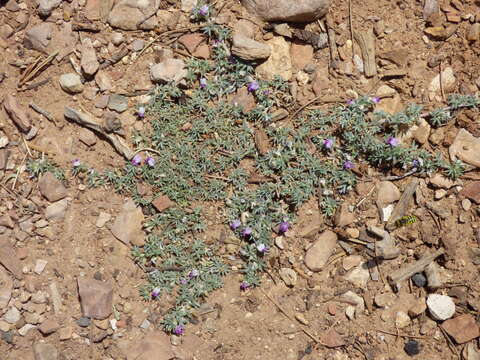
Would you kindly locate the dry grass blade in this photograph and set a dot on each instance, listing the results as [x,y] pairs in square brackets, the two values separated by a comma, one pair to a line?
[38,68]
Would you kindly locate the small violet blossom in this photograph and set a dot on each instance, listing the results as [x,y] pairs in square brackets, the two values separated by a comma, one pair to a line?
[155,292]
[284,226]
[244,285]
[193,273]
[262,248]
[141,112]
[416,163]
[376,100]
[203,83]
[253,86]
[247,232]
[150,161]
[235,224]
[183,281]
[76,163]
[347,165]
[328,143]
[137,160]
[179,330]
[392,141]
[350,102]
[203,10]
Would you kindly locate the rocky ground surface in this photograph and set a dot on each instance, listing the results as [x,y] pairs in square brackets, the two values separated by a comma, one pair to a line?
[68,286]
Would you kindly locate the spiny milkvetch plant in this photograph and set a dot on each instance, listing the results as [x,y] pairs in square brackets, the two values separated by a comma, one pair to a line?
[204,153]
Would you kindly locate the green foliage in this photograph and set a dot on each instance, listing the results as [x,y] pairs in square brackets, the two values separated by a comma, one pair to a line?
[40,166]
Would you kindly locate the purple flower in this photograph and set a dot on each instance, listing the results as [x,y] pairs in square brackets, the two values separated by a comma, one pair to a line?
[137,160]
[416,163]
[392,141]
[247,232]
[347,165]
[203,83]
[193,273]
[328,143]
[283,227]
[244,285]
[262,248]
[179,330]
[150,161]
[351,102]
[252,86]
[183,281]
[235,224]
[376,100]
[76,163]
[203,10]
[266,92]
[141,112]
[155,292]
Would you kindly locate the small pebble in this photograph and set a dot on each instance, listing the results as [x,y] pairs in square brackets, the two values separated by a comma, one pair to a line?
[40,266]
[83,322]
[412,347]
[419,280]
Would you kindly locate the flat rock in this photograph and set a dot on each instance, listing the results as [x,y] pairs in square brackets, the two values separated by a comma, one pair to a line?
[102,219]
[462,328]
[385,300]
[441,181]
[191,41]
[244,99]
[128,225]
[472,191]
[95,298]
[56,210]
[287,10]
[279,63]
[98,9]
[43,351]
[289,276]
[103,80]
[18,115]
[51,188]
[310,227]
[71,83]
[127,15]
[118,103]
[49,326]
[153,346]
[343,217]
[6,286]
[88,61]
[332,339]
[318,254]
[9,259]
[466,147]
[448,81]
[169,70]
[162,203]
[38,37]
[249,49]
[45,7]
[359,275]
[87,137]
[441,307]
[12,315]
[302,55]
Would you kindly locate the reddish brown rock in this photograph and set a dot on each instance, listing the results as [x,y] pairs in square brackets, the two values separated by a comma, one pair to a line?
[332,339]
[319,253]
[9,259]
[49,326]
[162,203]
[16,113]
[127,227]
[51,187]
[472,191]
[244,99]
[6,220]
[191,41]
[95,298]
[463,328]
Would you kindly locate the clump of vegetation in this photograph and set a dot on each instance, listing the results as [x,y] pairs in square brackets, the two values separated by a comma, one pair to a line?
[202,150]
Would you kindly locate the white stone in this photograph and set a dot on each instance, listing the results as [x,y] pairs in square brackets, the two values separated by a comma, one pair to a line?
[386,212]
[359,275]
[40,266]
[12,315]
[402,320]
[71,83]
[350,312]
[441,307]
[102,219]
[25,329]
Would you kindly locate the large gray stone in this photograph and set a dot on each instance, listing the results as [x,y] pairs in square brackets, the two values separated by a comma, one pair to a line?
[288,10]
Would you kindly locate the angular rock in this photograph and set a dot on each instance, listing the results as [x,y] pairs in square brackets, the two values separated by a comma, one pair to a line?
[71,83]
[417,308]
[279,62]
[287,10]
[40,266]
[441,181]
[45,7]
[89,62]
[318,254]
[103,81]
[12,316]
[98,9]
[448,81]
[343,217]
[191,41]
[16,113]
[38,37]
[249,49]
[472,191]
[359,275]
[463,328]
[128,225]
[95,298]
[87,137]
[51,188]
[102,219]
[9,259]
[244,99]
[441,307]
[385,300]
[289,276]
[49,326]
[169,70]
[118,103]
[466,147]
[130,15]
[310,228]
[402,320]
[470,352]
[56,210]
[6,220]
[6,286]
[43,351]
[473,32]
[162,203]
[302,55]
